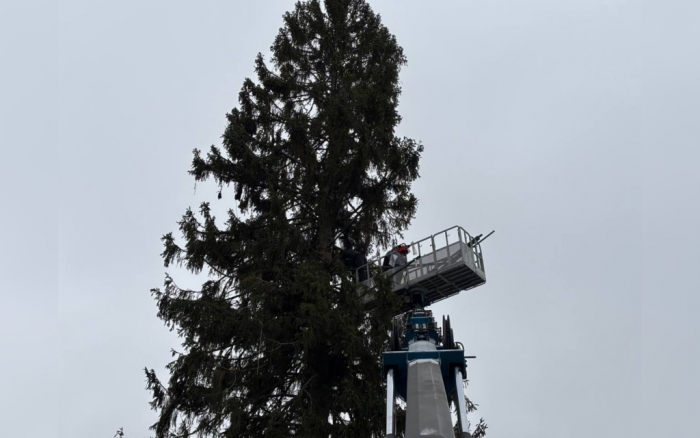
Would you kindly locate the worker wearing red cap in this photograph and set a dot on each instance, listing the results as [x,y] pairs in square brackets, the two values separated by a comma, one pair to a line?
[395,257]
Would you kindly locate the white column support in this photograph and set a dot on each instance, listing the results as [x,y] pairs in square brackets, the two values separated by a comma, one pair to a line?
[461,404]
[390,405]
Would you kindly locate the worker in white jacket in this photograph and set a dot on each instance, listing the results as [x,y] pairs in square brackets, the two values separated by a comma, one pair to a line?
[394,259]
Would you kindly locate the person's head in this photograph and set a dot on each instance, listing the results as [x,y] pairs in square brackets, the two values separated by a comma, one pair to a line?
[402,249]
[348,243]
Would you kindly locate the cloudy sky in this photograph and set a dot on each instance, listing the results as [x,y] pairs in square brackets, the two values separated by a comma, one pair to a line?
[571,128]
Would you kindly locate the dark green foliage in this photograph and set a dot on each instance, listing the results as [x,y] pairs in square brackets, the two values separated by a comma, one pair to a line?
[478,431]
[277,341]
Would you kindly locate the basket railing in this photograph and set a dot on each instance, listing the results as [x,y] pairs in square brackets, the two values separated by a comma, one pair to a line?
[427,256]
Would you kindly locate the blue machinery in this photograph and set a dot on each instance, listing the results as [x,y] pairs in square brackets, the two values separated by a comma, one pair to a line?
[424,365]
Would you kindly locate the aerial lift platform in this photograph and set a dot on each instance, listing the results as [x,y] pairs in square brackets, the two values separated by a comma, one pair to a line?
[424,365]
[444,264]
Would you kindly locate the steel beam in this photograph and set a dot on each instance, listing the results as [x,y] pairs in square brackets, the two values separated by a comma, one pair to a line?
[428,414]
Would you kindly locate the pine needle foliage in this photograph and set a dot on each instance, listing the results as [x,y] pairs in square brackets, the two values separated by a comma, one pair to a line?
[276,342]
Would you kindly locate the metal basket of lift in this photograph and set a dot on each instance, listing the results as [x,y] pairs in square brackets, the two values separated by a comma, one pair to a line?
[443,265]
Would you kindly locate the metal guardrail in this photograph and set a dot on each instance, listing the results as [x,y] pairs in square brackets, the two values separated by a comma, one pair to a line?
[458,248]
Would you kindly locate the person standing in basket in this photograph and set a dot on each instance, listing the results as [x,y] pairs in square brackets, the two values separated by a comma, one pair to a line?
[355,261]
[395,259]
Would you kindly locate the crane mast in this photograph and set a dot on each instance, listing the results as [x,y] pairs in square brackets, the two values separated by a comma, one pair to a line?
[424,366]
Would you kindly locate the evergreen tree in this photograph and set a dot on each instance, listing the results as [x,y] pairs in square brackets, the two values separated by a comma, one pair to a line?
[277,342]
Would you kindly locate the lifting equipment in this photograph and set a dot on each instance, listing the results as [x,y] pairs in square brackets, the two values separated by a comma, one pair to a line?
[424,366]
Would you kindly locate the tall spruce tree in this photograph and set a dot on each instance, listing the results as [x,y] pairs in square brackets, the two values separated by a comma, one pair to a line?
[276,341]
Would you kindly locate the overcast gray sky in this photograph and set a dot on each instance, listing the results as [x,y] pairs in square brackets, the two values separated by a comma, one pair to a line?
[572,128]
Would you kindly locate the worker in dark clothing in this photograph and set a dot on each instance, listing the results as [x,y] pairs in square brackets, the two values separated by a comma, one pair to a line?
[356,262]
